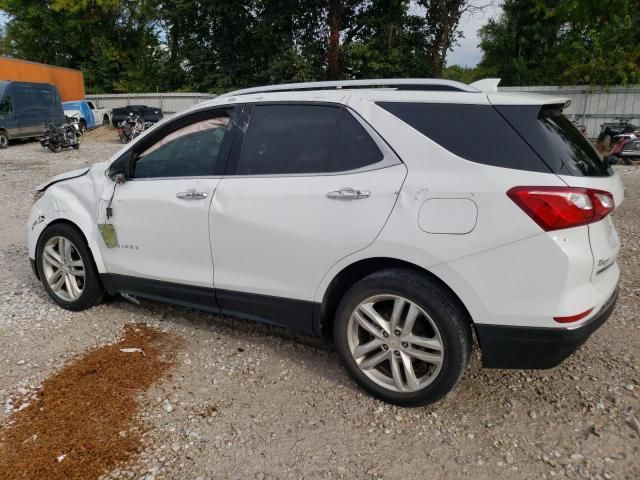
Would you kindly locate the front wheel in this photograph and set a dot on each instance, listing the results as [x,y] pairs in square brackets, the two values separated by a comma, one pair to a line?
[402,337]
[66,268]
[54,147]
[4,139]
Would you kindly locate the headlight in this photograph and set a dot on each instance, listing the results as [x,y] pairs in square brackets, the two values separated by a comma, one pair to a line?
[38,195]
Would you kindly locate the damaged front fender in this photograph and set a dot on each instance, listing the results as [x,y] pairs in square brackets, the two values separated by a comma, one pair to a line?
[63,176]
[72,197]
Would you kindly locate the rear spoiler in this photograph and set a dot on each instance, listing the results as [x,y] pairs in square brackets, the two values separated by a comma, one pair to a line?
[486,84]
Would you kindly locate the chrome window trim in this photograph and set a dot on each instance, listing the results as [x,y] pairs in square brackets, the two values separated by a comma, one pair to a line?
[389,157]
[186,177]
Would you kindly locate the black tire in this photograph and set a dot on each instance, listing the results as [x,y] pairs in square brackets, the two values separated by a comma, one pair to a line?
[105,121]
[4,139]
[83,126]
[93,291]
[76,146]
[445,312]
[54,148]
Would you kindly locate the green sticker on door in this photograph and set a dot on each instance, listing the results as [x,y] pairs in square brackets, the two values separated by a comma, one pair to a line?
[108,232]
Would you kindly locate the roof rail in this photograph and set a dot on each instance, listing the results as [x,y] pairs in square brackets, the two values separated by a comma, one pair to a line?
[397,83]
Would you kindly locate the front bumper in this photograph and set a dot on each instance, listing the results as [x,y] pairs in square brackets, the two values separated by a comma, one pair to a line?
[536,348]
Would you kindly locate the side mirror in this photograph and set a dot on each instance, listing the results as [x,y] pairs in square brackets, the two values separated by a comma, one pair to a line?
[120,170]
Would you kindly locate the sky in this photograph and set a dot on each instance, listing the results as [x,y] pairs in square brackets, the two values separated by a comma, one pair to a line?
[467,53]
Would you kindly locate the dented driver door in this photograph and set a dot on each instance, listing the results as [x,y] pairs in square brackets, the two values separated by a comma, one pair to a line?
[160,215]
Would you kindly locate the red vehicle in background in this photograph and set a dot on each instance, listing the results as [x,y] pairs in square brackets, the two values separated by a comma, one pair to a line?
[626,149]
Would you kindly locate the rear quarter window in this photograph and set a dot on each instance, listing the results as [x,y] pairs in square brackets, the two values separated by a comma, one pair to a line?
[556,140]
[477,133]
[353,148]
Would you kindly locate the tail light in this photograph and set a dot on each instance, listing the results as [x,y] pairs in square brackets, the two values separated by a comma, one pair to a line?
[555,208]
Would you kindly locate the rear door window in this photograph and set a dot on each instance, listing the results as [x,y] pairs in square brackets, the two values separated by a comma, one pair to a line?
[477,133]
[289,139]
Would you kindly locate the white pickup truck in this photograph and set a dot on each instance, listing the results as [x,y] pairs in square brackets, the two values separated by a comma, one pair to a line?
[89,116]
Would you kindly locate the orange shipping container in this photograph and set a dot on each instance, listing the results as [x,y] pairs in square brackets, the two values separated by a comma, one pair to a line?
[70,83]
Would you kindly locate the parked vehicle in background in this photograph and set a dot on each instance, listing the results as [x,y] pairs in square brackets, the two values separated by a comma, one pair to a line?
[626,150]
[89,116]
[147,114]
[58,137]
[610,132]
[358,213]
[68,82]
[130,128]
[26,108]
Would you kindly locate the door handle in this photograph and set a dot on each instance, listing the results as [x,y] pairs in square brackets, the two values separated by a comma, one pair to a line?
[191,195]
[349,194]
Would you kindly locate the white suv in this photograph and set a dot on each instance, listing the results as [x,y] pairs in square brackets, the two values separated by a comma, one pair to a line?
[394,216]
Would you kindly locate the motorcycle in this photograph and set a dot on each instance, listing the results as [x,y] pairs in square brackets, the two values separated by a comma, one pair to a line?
[130,128]
[57,138]
[626,149]
[611,133]
[74,121]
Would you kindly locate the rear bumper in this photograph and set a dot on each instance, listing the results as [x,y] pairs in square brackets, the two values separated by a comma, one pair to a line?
[536,348]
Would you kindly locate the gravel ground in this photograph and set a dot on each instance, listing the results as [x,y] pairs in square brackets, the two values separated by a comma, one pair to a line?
[250,401]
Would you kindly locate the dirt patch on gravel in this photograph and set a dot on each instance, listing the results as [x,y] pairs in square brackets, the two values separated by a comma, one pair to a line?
[103,134]
[85,421]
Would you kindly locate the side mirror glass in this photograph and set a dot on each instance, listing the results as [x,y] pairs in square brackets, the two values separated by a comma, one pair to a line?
[120,170]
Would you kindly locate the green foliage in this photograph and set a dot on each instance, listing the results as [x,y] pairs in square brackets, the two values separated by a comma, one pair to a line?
[112,41]
[387,41]
[465,74]
[146,45]
[564,42]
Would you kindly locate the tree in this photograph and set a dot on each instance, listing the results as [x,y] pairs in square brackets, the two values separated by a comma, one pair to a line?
[112,41]
[138,45]
[442,20]
[600,41]
[564,42]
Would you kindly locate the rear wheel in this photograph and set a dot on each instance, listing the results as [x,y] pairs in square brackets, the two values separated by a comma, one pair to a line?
[105,121]
[402,337]
[66,268]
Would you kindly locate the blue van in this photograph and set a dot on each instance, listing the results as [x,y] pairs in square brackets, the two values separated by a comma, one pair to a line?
[26,108]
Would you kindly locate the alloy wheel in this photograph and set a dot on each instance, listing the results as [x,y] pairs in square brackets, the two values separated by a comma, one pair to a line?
[395,343]
[63,268]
